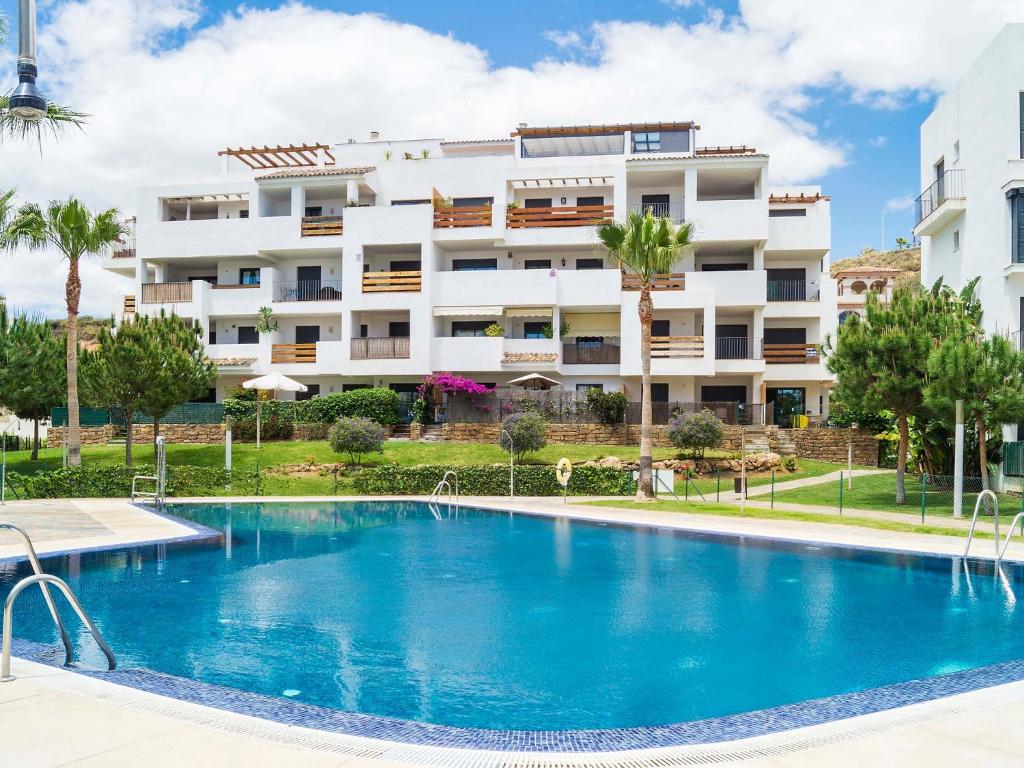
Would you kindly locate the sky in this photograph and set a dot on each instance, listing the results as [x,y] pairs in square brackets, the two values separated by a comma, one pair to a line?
[834,91]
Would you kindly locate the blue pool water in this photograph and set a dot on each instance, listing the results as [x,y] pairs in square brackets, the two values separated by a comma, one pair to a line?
[492,620]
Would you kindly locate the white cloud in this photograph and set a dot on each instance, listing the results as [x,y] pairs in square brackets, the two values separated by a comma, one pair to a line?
[904,203]
[878,141]
[165,94]
[567,39]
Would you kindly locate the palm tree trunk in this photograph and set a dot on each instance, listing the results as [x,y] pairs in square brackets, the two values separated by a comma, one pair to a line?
[128,437]
[645,486]
[72,296]
[156,432]
[901,460]
[35,440]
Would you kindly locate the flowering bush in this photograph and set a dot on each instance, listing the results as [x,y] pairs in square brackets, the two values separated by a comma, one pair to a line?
[494,330]
[451,384]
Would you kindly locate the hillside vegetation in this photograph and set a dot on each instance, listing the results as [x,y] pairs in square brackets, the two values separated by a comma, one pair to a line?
[907,260]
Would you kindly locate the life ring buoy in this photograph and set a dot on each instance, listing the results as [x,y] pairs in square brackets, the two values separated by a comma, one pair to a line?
[563,471]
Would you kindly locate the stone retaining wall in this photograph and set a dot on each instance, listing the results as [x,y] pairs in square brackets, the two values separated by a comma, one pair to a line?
[143,433]
[89,435]
[830,445]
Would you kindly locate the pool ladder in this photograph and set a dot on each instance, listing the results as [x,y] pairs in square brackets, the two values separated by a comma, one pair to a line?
[444,484]
[42,579]
[1000,552]
[159,493]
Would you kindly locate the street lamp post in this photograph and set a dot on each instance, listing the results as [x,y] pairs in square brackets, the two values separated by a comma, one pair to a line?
[27,102]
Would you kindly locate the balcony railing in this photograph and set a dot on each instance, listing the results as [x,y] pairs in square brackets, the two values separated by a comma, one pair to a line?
[380,348]
[166,293]
[129,304]
[379,282]
[462,216]
[733,348]
[317,226]
[563,216]
[308,290]
[293,353]
[791,353]
[677,346]
[673,211]
[949,187]
[592,353]
[675,281]
[123,251]
[792,290]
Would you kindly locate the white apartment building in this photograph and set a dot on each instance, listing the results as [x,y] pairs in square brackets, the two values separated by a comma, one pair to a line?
[970,217]
[853,286]
[386,260]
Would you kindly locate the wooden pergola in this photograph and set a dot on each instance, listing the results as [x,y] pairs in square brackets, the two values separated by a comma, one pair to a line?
[292,156]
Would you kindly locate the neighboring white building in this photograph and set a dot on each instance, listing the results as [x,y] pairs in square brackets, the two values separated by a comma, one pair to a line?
[970,217]
[384,261]
[853,286]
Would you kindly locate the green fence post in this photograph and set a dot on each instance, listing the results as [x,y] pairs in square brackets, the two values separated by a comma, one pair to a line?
[335,481]
[773,489]
[718,486]
[924,491]
[840,493]
[686,484]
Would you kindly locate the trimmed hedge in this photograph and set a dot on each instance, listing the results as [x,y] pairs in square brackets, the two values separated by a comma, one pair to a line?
[492,480]
[115,480]
[377,403]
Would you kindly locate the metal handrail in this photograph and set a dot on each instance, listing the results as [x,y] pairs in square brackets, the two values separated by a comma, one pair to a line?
[974,520]
[454,475]
[33,559]
[160,478]
[41,578]
[1009,536]
[147,494]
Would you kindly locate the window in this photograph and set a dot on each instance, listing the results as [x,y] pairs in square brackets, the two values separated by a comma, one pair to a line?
[249,276]
[659,392]
[1022,124]
[312,390]
[399,329]
[1017,222]
[213,336]
[593,200]
[314,210]
[647,141]
[307,334]
[244,213]
[661,328]
[724,267]
[956,151]
[784,213]
[354,387]
[405,265]
[247,334]
[462,329]
[588,387]
[589,263]
[471,202]
[956,239]
[537,202]
[398,202]
[658,204]
[535,330]
[364,331]
[785,335]
[474,265]
[537,264]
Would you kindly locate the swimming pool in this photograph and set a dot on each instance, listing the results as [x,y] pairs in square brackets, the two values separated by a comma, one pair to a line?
[508,622]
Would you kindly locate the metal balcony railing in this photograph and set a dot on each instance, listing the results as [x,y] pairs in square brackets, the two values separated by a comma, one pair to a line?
[380,348]
[592,353]
[673,211]
[792,290]
[949,187]
[308,290]
[733,348]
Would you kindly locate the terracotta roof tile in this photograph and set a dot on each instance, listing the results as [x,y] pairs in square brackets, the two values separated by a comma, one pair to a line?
[529,357]
[290,173]
[230,362]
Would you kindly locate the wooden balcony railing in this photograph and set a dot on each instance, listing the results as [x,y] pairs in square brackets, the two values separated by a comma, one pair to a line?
[123,252]
[467,216]
[589,353]
[791,353]
[667,282]
[317,226]
[381,348]
[129,304]
[293,353]
[379,282]
[564,216]
[677,346]
[166,293]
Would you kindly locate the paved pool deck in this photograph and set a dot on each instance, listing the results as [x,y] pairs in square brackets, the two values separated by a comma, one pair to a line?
[54,717]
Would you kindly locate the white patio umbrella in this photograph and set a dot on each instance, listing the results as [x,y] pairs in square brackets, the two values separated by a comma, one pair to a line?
[271,383]
[535,381]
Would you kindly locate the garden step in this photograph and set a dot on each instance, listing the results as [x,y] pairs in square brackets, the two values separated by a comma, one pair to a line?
[431,433]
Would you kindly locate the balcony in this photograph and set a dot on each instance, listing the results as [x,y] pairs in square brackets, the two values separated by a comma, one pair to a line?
[128,307]
[380,348]
[791,353]
[677,346]
[293,353]
[381,282]
[675,281]
[561,216]
[671,211]
[319,226]
[308,290]
[733,348]
[942,202]
[793,290]
[166,293]
[462,216]
[592,353]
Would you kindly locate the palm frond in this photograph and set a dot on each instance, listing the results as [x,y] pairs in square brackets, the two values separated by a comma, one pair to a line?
[58,119]
[647,245]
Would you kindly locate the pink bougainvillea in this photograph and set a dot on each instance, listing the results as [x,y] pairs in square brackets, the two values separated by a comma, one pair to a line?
[451,384]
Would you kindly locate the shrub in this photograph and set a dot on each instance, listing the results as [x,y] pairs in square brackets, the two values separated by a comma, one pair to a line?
[607,407]
[377,403]
[418,412]
[494,330]
[273,427]
[115,480]
[492,480]
[696,431]
[789,463]
[356,435]
[528,431]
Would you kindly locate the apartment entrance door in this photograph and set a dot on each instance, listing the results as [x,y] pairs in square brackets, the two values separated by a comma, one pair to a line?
[789,402]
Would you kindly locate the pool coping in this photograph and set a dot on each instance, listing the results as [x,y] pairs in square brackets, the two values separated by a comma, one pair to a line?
[711,731]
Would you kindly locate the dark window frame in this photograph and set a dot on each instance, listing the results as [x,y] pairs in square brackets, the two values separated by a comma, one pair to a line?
[475,265]
[250,333]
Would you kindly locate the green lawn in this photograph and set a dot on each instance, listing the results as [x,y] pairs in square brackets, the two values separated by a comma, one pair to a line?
[708,485]
[878,492]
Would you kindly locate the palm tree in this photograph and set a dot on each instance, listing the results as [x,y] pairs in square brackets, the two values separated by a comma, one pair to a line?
[648,246]
[75,231]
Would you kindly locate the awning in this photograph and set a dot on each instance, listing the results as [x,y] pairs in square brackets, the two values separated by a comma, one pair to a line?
[488,311]
[528,312]
[592,324]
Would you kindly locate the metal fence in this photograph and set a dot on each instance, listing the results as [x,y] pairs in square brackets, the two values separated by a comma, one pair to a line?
[186,413]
